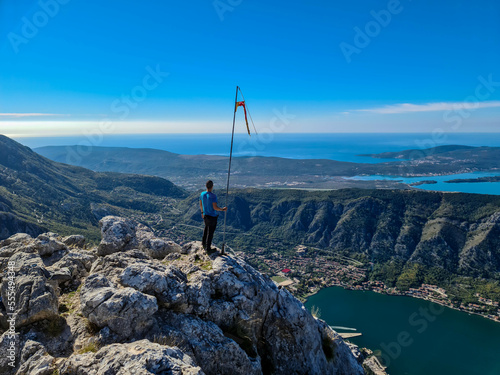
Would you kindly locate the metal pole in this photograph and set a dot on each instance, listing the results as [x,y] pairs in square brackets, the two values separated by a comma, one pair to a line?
[229,171]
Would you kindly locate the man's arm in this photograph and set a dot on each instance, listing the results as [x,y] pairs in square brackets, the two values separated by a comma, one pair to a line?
[217,208]
[201,208]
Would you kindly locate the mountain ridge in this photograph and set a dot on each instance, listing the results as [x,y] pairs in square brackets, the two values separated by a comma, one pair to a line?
[454,231]
[39,192]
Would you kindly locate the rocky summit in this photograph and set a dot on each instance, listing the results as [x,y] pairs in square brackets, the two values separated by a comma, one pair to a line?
[137,304]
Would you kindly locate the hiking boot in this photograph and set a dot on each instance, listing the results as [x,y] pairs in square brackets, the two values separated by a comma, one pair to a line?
[211,250]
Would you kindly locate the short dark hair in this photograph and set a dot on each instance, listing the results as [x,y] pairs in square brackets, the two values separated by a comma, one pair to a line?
[209,184]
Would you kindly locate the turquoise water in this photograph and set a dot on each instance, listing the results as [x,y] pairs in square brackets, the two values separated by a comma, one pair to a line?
[473,187]
[414,337]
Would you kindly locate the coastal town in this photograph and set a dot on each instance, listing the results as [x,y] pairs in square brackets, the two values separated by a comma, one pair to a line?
[304,274]
[306,270]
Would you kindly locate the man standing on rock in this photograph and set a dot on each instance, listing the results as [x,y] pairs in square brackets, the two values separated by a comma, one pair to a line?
[209,208]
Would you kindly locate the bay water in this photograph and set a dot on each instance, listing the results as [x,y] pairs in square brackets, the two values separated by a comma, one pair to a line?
[413,336]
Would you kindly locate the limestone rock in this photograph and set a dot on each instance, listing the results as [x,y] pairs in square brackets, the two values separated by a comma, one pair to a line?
[120,234]
[158,248]
[139,357]
[72,266]
[35,360]
[213,351]
[113,265]
[48,243]
[125,311]
[74,241]
[18,238]
[167,284]
[268,321]
[35,297]
[17,243]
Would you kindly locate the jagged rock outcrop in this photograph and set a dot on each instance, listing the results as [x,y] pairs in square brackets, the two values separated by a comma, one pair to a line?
[76,240]
[49,243]
[139,357]
[36,360]
[119,234]
[124,312]
[28,286]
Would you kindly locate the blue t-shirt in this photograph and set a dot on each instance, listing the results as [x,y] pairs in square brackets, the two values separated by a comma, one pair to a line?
[207,200]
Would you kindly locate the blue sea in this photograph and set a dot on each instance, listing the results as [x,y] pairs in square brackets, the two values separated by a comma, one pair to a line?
[334,146]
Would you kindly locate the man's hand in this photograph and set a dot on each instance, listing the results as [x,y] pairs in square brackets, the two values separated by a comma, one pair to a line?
[202,215]
[224,209]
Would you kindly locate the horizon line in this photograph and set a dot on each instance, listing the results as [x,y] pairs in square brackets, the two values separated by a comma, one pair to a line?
[225,133]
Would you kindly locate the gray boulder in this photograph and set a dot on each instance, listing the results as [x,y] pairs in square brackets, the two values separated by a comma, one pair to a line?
[119,234]
[17,243]
[125,311]
[18,238]
[73,266]
[215,352]
[167,284]
[189,313]
[48,243]
[139,357]
[157,248]
[35,297]
[113,265]
[35,360]
[267,321]
[76,240]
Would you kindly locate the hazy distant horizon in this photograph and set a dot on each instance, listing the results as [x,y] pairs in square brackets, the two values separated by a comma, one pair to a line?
[335,146]
[82,134]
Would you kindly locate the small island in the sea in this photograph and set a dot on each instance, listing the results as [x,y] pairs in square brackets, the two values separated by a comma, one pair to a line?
[428,182]
[479,179]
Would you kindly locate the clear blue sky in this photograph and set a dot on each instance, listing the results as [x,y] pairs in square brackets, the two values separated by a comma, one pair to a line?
[67,67]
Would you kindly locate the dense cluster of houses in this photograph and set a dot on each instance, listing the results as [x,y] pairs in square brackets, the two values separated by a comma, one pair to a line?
[326,272]
[323,272]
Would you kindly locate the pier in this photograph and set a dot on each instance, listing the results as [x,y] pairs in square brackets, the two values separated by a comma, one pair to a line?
[349,335]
